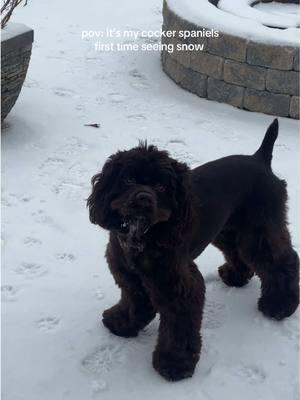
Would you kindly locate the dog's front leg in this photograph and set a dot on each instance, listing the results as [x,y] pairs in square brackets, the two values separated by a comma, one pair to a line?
[180,303]
[134,310]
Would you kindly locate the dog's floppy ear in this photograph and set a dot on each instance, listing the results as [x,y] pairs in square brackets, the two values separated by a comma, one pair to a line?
[173,233]
[183,197]
[103,188]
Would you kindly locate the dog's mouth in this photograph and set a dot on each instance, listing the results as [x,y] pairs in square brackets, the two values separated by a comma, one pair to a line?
[135,227]
[139,211]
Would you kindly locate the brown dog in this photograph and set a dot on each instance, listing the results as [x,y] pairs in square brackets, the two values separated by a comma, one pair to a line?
[161,215]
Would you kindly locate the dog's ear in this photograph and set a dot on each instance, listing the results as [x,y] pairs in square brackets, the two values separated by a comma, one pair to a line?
[183,197]
[104,185]
[173,233]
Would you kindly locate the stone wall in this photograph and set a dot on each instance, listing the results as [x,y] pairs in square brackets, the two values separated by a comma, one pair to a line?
[254,76]
[15,57]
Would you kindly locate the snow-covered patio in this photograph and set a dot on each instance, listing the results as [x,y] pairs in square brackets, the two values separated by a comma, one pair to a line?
[55,282]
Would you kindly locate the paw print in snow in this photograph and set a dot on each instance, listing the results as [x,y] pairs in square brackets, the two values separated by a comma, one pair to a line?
[31,270]
[47,324]
[8,293]
[102,359]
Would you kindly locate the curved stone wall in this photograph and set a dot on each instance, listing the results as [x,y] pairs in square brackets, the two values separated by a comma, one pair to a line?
[16,45]
[250,75]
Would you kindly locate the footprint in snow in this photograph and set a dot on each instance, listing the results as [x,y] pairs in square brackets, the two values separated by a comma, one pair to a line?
[252,373]
[64,92]
[138,80]
[53,162]
[136,117]
[31,241]
[69,189]
[41,217]
[5,202]
[117,97]
[177,142]
[50,165]
[25,199]
[79,107]
[48,324]
[65,256]
[8,293]
[21,198]
[31,270]
[214,315]
[12,199]
[102,359]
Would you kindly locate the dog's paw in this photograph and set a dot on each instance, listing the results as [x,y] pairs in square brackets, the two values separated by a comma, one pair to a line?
[278,306]
[233,277]
[117,321]
[174,368]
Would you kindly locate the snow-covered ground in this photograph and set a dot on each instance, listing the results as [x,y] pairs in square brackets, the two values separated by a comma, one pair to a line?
[55,282]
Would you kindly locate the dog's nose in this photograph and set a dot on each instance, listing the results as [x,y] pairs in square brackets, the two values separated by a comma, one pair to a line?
[144,198]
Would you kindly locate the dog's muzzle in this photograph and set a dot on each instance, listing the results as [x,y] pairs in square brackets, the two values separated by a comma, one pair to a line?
[140,202]
[135,229]
[140,212]
[138,227]
[141,208]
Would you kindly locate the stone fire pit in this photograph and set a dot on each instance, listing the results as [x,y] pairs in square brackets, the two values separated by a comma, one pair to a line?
[16,44]
[253,64]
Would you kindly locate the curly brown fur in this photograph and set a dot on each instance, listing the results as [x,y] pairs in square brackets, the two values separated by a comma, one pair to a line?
[161,216]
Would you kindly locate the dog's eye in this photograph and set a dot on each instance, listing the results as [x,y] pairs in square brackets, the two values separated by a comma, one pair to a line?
[129,181]
[160,188]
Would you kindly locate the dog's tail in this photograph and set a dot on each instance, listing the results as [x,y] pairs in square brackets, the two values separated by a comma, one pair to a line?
[264,153]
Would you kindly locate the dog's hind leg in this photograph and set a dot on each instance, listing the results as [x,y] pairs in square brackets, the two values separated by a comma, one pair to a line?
[268,249]
[234,272]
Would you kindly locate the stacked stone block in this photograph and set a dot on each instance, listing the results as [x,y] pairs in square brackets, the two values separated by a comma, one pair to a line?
[254,76]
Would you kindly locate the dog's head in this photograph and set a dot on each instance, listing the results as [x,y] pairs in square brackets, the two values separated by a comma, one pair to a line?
[139,191]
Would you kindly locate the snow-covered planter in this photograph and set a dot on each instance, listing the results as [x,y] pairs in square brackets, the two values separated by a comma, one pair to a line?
[252,64]
[16,44]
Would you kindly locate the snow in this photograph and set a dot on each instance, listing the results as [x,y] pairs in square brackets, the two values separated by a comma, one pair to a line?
[243,8]
[239,20]
[55,281]
[13,29]
[278,8]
